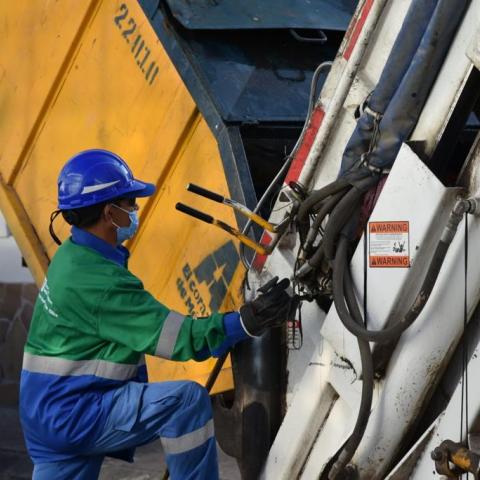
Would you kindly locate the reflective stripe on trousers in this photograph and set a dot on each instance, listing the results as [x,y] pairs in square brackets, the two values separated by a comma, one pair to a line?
[189,441]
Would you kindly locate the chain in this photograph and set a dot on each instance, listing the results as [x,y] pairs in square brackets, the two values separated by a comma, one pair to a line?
[377,117]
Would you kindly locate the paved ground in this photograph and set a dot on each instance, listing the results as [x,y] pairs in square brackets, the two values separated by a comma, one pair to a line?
[149,465]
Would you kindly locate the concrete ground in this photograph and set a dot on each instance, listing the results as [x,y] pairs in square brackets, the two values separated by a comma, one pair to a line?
[149,464]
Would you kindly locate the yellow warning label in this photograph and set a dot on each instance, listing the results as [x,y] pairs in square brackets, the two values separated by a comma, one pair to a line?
[389,244]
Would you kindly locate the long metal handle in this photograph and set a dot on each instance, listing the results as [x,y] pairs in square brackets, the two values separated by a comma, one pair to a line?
[259,248]
[242,209]
[216,197]
[193,212]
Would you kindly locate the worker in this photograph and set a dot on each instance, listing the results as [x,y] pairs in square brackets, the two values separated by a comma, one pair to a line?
[84,393]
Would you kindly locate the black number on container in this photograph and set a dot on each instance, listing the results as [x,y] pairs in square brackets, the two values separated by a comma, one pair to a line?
[142,63]
[155,72]
[149,71]
[138,44]
[128,32]
[118,19]
[134,46]
[140,48]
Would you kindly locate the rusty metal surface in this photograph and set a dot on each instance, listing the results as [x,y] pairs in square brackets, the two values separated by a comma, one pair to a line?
[454,459]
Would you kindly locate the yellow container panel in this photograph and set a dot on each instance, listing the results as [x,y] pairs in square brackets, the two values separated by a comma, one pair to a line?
[116,88]
[106,101]
[188,261]
[37,37]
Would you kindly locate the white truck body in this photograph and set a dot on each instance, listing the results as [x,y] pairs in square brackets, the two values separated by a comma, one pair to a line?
[325,375]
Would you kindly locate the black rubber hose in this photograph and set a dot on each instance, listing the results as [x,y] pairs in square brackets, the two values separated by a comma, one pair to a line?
[318,195]
[337,220]
[355,438]
[389,333]
[316,208]
[316,198]
[327,206]
[343,212]
[303,220]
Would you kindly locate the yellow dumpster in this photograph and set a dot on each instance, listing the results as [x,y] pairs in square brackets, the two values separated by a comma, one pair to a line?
[74,77]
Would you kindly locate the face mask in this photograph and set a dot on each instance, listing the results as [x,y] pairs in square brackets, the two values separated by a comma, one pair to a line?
[125,233]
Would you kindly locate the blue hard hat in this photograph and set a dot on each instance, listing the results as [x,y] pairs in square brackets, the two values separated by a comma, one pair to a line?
[96,176]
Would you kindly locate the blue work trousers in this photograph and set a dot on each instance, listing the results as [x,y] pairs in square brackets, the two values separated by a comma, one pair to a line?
[179,413]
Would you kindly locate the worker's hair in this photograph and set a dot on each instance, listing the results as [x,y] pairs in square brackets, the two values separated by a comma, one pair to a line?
[80,217]
[85,216]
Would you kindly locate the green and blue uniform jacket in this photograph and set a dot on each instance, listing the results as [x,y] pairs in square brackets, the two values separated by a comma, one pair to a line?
[92,324]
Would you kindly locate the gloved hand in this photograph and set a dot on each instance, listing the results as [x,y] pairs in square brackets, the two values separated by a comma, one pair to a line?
[270,309]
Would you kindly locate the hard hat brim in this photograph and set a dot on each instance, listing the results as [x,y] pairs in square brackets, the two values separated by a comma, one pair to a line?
[141,189]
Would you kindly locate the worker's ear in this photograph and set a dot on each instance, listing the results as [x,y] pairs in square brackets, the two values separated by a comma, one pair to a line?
[107,213]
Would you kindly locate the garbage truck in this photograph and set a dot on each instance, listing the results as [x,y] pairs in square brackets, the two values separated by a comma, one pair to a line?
[345,135]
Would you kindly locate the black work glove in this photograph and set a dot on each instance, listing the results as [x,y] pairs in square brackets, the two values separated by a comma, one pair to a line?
[270,309]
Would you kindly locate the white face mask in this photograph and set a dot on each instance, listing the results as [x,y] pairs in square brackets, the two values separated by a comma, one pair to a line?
[125,233]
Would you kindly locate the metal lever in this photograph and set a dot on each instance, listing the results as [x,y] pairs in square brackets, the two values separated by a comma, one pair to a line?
[242,209]
[259,248]
[204,217]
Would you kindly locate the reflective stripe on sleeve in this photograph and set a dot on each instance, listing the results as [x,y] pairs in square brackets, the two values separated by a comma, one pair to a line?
[63,367]
[169,334]
[189,441]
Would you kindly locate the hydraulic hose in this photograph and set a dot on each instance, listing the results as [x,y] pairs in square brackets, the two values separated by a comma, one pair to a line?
[319,205]
[318,196]
[406,104]
[316,259]
[315,201]
[327,206]
[343,212]
[340,206]
[391,333]
[367,386]
[392,110]
[404,48]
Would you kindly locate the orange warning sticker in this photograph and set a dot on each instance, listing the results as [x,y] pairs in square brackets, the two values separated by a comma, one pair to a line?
[389,244]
